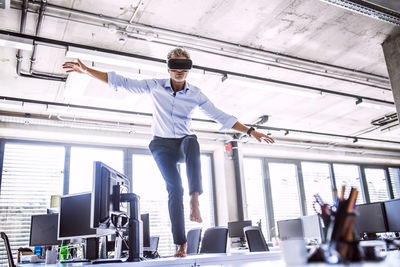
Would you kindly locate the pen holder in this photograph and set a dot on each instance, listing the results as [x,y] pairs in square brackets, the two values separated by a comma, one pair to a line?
[349,251]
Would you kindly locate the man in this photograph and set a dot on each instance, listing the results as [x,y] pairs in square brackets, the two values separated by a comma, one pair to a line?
[173,103]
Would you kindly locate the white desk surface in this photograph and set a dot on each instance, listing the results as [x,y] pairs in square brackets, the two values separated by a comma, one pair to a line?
[247,259]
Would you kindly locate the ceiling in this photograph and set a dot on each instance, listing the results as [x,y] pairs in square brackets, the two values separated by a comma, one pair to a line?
[300,45]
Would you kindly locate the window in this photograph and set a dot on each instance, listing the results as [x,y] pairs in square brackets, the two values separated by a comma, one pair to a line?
[81,168]
[31,174]
[148,183]
[376,183]
[285,196]
[255,195]
[317,180]
[395,180]
[348,175]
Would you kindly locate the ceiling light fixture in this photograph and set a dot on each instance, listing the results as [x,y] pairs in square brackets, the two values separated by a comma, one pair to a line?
[118,60]
[369,103]
[260,84]
[16,42]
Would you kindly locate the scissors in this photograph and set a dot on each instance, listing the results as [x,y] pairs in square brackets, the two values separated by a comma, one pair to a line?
[320,207]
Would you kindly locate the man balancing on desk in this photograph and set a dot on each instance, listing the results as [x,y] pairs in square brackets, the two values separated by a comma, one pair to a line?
[174,100]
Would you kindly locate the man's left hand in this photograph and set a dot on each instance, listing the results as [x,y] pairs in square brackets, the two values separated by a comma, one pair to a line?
[262,137]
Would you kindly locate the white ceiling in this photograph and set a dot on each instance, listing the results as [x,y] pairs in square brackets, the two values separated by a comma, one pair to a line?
[306,29]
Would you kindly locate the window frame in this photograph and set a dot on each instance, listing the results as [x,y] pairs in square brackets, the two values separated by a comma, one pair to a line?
[300,182]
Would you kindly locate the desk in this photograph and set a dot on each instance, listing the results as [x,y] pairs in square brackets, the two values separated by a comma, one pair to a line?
[255,259]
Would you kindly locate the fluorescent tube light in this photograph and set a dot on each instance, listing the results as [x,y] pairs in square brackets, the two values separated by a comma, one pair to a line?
[10,104]
[368,103]
[118,60]
[259,84]
[16,42]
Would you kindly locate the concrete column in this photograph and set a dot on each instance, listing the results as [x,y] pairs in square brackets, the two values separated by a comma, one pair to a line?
[391,50]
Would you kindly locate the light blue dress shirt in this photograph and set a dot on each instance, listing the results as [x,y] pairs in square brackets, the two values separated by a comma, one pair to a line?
[172,114]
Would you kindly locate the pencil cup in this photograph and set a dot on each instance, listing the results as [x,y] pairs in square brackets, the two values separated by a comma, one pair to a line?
[294,251]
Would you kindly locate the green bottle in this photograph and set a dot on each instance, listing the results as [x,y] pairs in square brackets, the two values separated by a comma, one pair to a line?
[64,253]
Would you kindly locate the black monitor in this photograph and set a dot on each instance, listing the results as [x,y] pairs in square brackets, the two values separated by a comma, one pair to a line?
[74,219]
[392,208]
[114,207]
[44,230]
[371,218]
[146,229]
[108,185]
[235,229]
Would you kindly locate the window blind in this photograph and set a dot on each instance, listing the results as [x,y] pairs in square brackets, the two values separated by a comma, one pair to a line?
[395,181]
[31,174]
[376,183]
[255,193]
[148,183]
[285,193]
[348,175]
[317,180]
[81,166]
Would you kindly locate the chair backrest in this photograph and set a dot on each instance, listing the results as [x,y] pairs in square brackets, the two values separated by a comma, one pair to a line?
[255,239]
[8,249]
[154,242]
[193,241]
[214,240]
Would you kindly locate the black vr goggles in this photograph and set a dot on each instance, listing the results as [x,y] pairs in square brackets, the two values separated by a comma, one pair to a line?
[179,64]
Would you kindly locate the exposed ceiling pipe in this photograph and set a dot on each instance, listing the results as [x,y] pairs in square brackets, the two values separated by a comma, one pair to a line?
[24,14]
[149,115]
[223,73]
[38,30]
[235,50]
[32,74]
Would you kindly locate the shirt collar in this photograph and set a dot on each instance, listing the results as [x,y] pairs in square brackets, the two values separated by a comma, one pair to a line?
[168,85]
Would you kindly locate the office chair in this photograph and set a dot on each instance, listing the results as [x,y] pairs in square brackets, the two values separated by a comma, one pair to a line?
[193,241]
[214,240]
[255,239]
[151,252]
[8,249]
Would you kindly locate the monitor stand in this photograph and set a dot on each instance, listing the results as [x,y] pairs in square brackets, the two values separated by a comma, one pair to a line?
[134,227]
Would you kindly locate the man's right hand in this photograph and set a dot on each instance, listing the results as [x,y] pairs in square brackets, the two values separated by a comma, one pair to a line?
[78,67]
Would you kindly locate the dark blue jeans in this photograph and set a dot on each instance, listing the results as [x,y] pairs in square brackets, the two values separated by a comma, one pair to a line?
[167,153]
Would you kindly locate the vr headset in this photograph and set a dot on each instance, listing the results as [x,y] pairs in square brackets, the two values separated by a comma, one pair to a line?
[179,64]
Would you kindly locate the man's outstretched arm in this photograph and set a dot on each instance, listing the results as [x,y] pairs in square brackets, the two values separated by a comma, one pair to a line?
[79,67]
[257,135]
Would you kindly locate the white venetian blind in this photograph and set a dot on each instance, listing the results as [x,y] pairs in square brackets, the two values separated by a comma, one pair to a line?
[148,183]
[255,194]
[317,180]
[377,186]
[285,193]
[348,175]
[395,181]
[81,166]
[31,174]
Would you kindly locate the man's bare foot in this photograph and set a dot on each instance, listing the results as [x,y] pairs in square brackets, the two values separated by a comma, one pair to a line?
[195,215]
[180,251]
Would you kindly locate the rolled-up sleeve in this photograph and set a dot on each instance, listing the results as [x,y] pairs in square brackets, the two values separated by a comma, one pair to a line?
[116,82]
[227,121]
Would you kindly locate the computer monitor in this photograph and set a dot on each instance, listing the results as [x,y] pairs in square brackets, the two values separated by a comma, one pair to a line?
[292,228]
[371,218]
[312,228]
[392,208]
[108,185]
[74,217]
[44,230]
[235,229]
[146,229]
